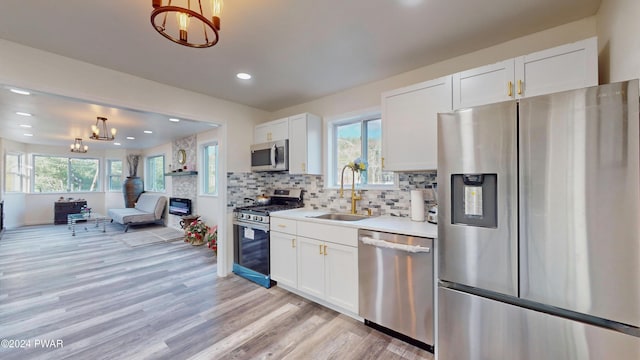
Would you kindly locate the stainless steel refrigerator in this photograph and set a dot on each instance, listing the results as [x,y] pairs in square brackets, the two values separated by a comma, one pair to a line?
[539,228]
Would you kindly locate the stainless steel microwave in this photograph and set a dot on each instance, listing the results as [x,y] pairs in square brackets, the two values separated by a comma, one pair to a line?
[270,156]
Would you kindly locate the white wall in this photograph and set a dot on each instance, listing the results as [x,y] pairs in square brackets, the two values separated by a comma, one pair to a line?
[618,26]
[368,96]
[213,209]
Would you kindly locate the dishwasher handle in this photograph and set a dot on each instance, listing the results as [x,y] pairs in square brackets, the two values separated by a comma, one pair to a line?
[389,245]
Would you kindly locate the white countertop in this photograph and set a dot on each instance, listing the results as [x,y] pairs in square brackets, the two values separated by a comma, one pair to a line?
[386,223]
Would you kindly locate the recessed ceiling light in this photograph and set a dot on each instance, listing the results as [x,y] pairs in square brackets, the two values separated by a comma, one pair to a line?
[27,134]
[243,76]
[22,113]
[117,144]
[174,120]
[130,138]
[25,126]
[148,132]
[21,92]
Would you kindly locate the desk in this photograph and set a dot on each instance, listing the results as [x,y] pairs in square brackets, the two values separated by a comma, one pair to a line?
[72,219]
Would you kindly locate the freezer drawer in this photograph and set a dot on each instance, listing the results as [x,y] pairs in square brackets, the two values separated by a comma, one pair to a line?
[396,283]
[580,190]
[473,327]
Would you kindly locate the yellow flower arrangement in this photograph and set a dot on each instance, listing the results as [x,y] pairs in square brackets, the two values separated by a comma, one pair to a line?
[358,165]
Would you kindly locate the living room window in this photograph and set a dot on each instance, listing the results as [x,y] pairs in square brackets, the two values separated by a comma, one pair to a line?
[114,175]
[210,166]
[54,174]
[155,173]
[358,137]
[14,173]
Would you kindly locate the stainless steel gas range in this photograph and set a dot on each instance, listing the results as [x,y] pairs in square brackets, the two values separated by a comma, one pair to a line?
[251,235]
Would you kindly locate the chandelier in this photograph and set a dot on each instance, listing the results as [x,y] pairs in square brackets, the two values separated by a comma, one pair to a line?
[78,146]
[99,131]
[204,32]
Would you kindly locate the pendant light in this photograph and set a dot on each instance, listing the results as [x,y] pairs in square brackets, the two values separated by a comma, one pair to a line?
[78,146]
[190,27]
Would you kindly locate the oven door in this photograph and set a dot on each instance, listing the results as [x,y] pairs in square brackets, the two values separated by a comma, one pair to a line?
[251,252]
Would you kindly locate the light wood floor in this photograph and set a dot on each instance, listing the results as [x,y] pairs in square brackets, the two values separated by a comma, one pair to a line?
[105,300]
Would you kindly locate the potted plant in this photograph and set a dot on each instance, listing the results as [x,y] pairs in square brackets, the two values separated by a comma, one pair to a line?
[199,233]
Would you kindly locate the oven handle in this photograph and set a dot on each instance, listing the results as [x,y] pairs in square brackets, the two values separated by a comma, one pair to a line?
[263,227]
[389,245]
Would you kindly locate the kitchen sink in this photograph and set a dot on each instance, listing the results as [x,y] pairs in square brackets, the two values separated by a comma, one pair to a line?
[341,217]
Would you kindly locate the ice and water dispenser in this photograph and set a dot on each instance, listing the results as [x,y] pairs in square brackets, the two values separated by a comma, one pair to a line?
[474,200]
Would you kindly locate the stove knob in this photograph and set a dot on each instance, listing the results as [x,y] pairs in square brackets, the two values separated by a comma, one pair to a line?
[255,218]
[245,216]
[258,218]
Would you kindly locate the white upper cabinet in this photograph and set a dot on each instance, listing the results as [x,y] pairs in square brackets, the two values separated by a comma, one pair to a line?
[271,131]
[409,124]
[483,85]
[565,67]
[305,144]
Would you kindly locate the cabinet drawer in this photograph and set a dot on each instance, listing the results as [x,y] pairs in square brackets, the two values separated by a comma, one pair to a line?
[331,233]
[283,225]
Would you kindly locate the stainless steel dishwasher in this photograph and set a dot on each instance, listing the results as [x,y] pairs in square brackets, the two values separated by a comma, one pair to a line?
[396,284]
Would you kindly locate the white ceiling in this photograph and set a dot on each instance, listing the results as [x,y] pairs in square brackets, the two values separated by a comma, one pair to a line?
[296,50]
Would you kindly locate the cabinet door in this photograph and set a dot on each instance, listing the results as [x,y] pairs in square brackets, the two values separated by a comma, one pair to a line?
[566,67]
[305,144]
[279,129]
[298,145]
[261,134]
[341,276]
[410,116]
[271,131]
[284,266]
[484,85]
[311,266]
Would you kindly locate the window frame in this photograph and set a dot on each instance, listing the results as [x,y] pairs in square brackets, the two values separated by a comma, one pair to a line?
[147,174]
[99,187]
[205,169]
[331,179]
[110,176]
[20,173]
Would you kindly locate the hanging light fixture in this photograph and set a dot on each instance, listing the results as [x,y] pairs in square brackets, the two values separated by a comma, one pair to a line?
[78,146]
[202,36]
[99,131]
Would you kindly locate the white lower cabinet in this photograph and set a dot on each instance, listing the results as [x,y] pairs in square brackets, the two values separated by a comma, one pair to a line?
[311,267]
[320,261]
[284,264]
[341,276]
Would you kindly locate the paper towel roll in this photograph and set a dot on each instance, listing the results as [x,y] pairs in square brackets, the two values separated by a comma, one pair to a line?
[417,205]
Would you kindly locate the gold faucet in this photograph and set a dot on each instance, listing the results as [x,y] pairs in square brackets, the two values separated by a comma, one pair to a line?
[354,196]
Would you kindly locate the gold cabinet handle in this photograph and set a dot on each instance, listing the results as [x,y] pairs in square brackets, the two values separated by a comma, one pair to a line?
[282,226]
[293,243]
[510,89]
[320,249]
[303,167]
[325,250]
[519,87]
[383,162]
